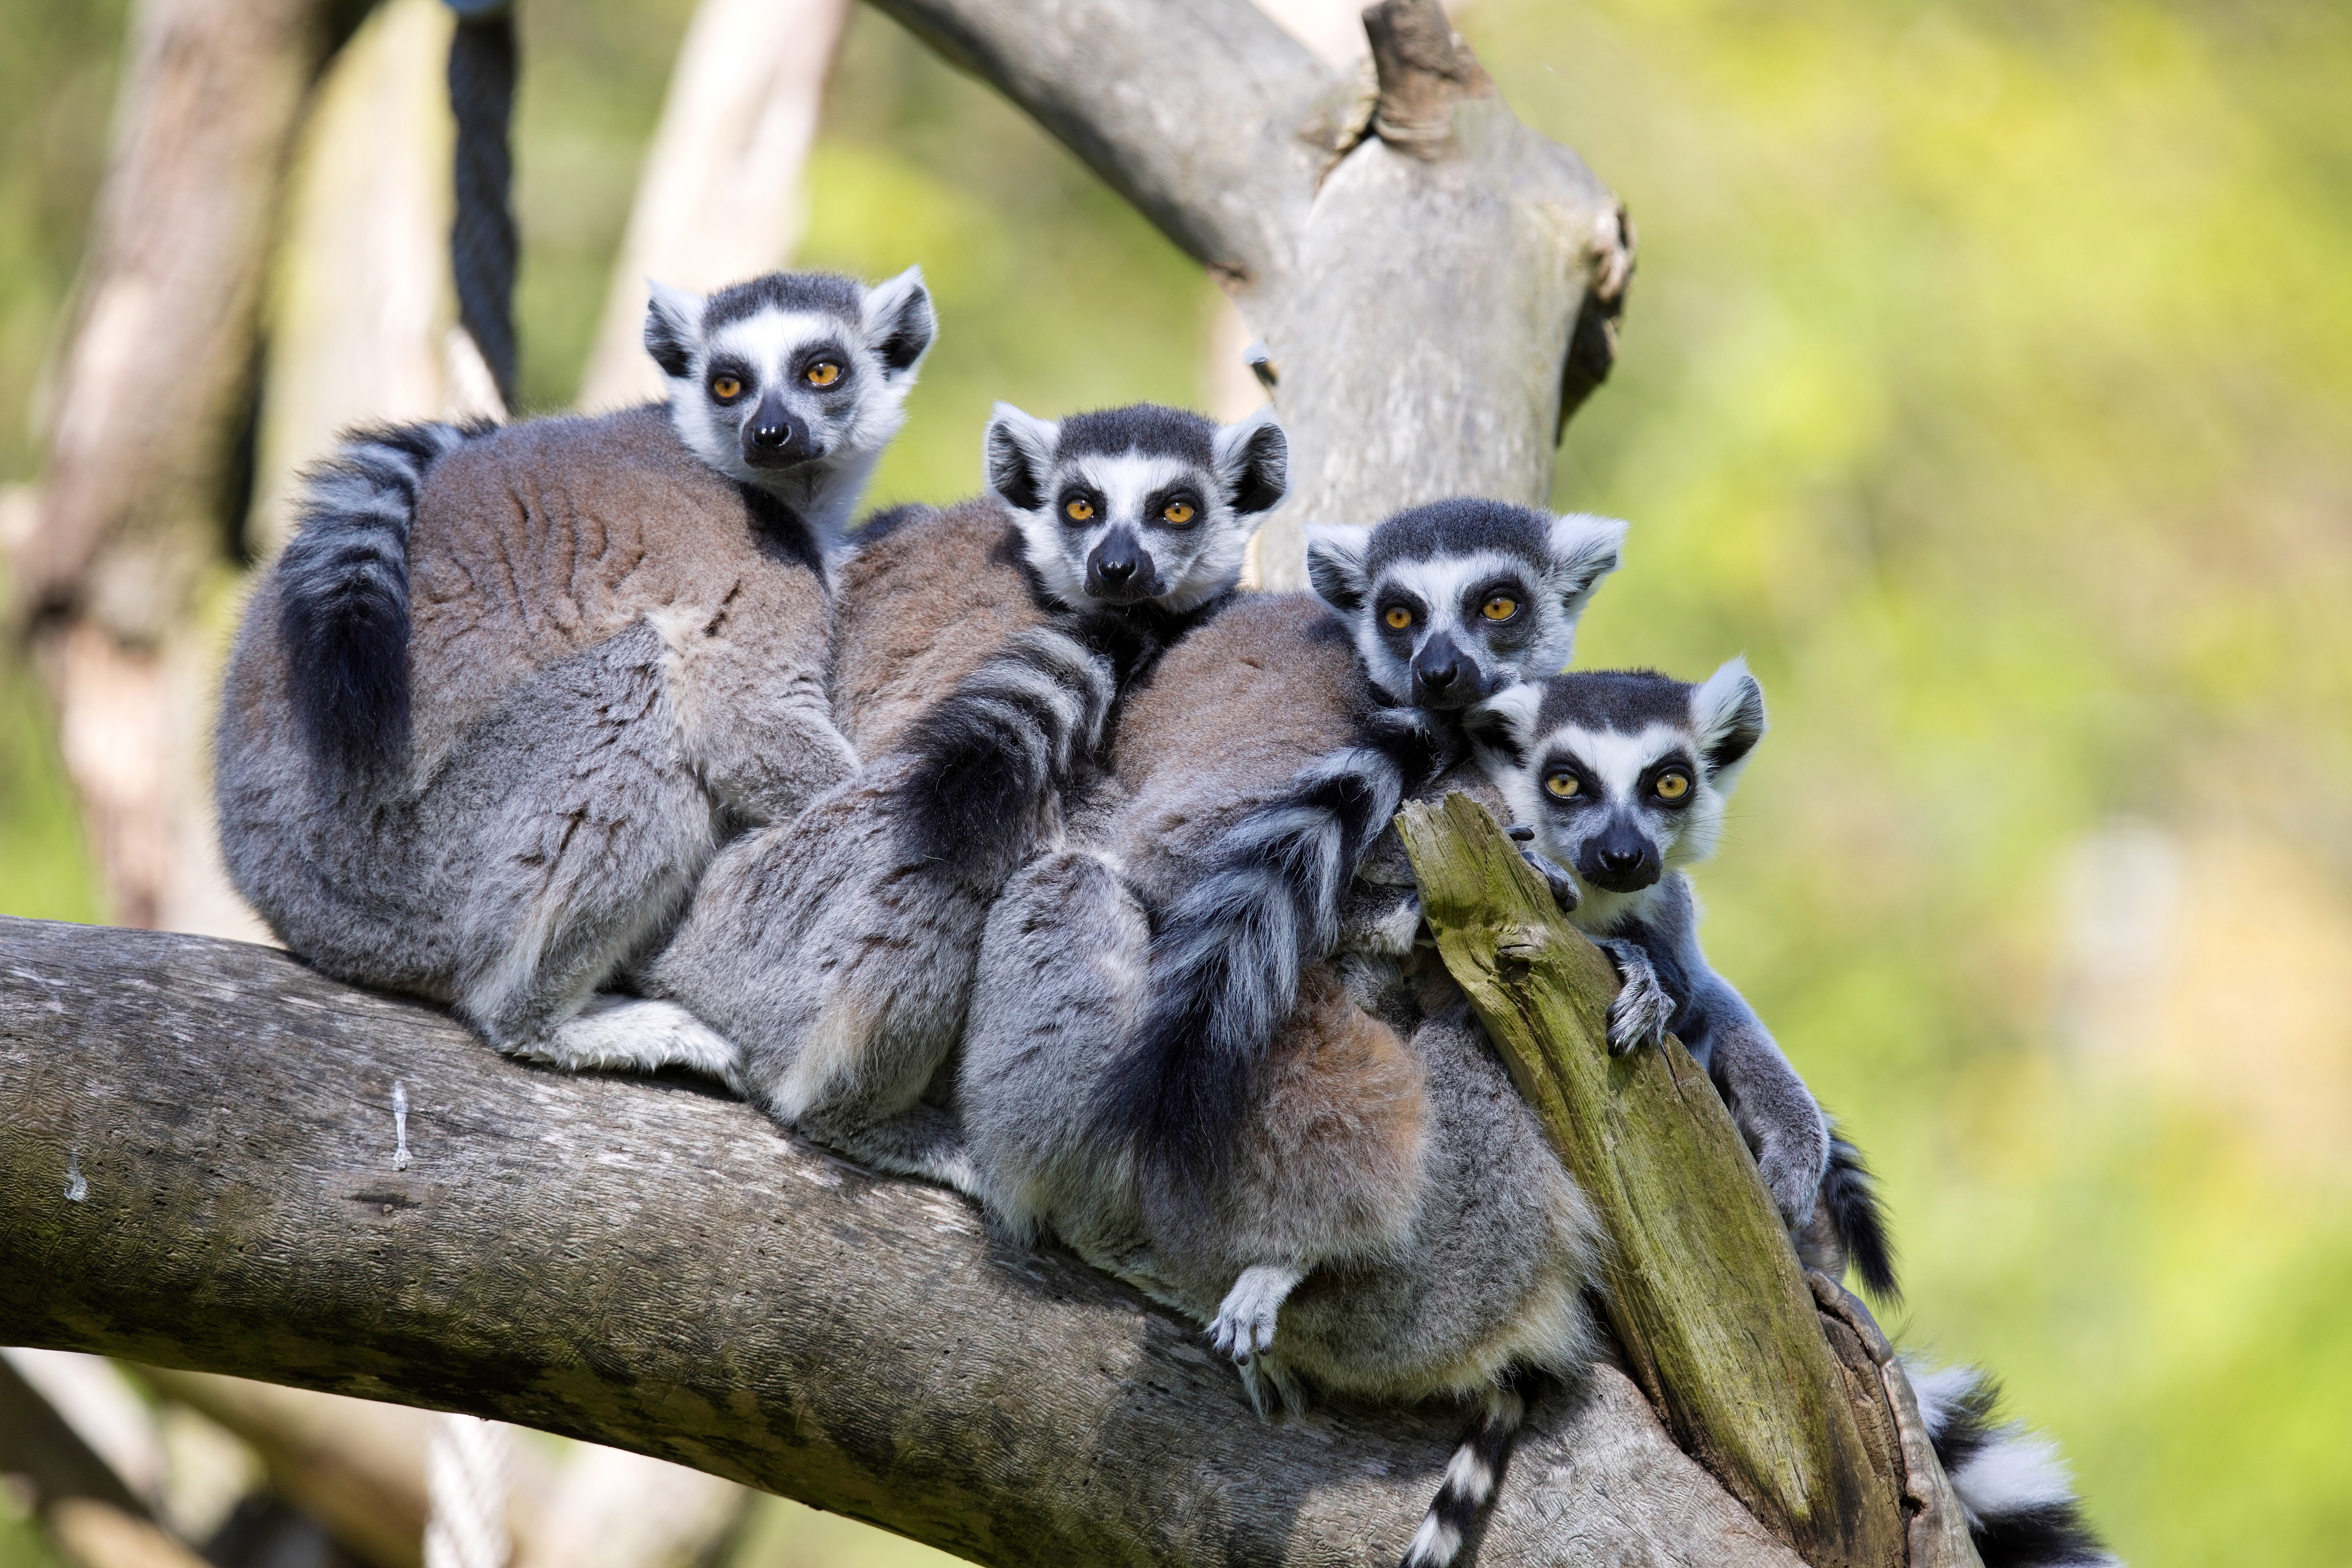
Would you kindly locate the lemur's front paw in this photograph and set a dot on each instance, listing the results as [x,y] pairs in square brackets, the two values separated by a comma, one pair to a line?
[1642,1010]
[1563,886]
[1793,1176]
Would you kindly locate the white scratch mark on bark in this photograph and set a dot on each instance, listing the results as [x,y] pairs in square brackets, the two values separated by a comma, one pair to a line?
[400,1155]
[76,1188]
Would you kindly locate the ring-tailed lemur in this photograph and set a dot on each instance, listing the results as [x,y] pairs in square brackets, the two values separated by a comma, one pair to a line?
[1617,780]
[1389,1220]
[498,702]
[1384,1157]
[1444,604]
[837,952]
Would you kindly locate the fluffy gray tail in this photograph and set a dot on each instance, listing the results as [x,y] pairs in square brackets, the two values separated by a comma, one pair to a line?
[2015,1489]
[343,593]
[1226,960]
[1471,1479]
[994,756]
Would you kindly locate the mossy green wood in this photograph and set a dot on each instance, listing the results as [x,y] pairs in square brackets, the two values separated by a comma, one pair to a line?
[1705,1292]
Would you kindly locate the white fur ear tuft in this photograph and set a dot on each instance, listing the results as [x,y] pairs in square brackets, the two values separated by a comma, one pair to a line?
[1017,455]
[1728,711]
[1252,460]
[1335,564]
[900,323]
[1506,721]
[1584,549]
[673,327]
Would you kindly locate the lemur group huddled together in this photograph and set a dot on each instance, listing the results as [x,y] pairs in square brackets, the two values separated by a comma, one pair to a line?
[1013,846]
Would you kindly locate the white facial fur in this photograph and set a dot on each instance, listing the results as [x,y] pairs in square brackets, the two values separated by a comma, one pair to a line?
[1128,494]
[845,426]
[1614,765]
[1445,593]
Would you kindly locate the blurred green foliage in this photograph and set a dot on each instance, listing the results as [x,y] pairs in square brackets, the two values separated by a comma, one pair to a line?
[1988,381]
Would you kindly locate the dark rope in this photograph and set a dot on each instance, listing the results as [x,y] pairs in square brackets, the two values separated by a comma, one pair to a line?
[482,245]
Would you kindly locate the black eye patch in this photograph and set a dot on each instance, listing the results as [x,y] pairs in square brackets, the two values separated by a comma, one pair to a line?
[1587,788]
[1080,506]
[1175,506]
[822,353]
[1399,616]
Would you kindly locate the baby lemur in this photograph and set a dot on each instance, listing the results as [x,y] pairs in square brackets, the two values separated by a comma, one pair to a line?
[507,690]
[836,952]
[1618,781]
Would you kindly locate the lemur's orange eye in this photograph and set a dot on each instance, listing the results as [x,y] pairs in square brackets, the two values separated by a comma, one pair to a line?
[1672,786]
[726,388]
[1078,508]
[1178,512]
[1501,607]
[1563,784]
[824,372]
[1397,617]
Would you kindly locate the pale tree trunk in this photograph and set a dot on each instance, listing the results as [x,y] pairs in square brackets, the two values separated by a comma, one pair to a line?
[150,409]
[721,197]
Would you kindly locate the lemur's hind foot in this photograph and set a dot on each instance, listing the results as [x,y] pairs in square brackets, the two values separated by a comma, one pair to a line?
[1243,1329]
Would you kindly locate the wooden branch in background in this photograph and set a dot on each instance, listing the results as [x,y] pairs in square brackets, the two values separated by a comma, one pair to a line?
[645,1264]
[1716,1320]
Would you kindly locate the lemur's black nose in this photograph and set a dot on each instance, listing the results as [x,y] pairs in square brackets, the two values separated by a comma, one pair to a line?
[1117,569]
[773,434]
[1621,862]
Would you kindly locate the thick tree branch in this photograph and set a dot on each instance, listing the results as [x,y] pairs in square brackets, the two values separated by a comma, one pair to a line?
[1190,108]
[649,1265]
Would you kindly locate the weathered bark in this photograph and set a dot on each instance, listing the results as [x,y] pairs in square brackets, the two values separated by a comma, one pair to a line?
[649,1266]
[1785,1400]
[144,461]
[1432,280]
[719,197]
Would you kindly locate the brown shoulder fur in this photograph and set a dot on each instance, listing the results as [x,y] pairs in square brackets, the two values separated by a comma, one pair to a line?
[1231,715]
[548,537]
[918,610]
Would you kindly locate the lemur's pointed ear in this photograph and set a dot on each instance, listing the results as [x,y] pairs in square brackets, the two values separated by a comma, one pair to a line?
[1505,721]
[1729,713]
[1584,549]
[672,326]
[1017,455]
[1335,564]
[1252,460]
[900,323]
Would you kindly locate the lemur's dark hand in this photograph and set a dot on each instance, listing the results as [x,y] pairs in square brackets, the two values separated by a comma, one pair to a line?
[1562,885]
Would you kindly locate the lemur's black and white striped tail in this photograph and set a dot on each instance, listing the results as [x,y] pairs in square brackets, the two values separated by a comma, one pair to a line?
[2015,1489]
[994,756]
[1471,1479]
[343,605]
[1226,960]
[1850,1193]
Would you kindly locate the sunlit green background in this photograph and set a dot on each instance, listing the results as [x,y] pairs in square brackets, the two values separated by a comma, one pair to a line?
[1988,381]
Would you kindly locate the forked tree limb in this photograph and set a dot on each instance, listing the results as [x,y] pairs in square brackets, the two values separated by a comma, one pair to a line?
[1435,283]
[653,1266]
